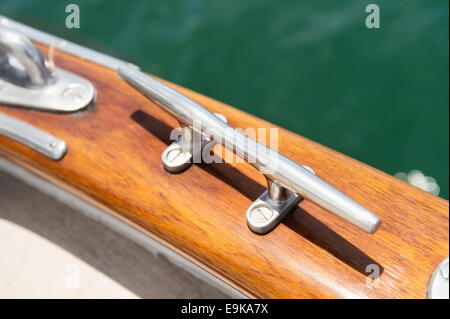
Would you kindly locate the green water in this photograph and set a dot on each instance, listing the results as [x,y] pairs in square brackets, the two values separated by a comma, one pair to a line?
[378,95]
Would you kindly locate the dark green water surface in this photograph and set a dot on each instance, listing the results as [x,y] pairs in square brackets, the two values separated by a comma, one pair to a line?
[378,95]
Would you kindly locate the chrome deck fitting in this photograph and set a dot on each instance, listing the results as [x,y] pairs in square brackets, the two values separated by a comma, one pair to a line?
[438,286]
[272,206]
[36,139]
[287,180]
[27,81]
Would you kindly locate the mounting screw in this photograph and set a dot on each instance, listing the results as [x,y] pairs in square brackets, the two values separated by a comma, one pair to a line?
[260,214]
[52,143]
[74,93]
[174,159]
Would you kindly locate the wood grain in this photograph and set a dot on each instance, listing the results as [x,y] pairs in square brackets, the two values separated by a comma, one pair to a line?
[114,161]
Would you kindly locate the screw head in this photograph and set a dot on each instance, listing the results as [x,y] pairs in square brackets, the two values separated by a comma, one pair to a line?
[174,159]
[261,214]
[52,143]
[74,93]
[176,156]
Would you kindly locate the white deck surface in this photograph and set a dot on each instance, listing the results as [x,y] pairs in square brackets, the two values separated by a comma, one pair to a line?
[48,250]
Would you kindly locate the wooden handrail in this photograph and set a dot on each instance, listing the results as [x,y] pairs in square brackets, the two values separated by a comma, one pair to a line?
[114,160]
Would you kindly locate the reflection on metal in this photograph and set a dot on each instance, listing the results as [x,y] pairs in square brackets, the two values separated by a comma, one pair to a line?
[63,45]
[276,167]
[179,155]
[32,137]
[17,50]
[438,287]
[25,79]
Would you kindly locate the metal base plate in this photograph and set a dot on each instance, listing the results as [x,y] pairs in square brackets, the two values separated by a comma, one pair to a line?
[438,287]
[66,93]
[176,160]
[264,214]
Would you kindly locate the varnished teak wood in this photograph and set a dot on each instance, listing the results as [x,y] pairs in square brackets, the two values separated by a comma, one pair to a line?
[114,161]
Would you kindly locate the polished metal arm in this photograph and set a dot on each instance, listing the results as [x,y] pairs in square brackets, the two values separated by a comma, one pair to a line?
[275,166]
[19,46]
[37,139]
